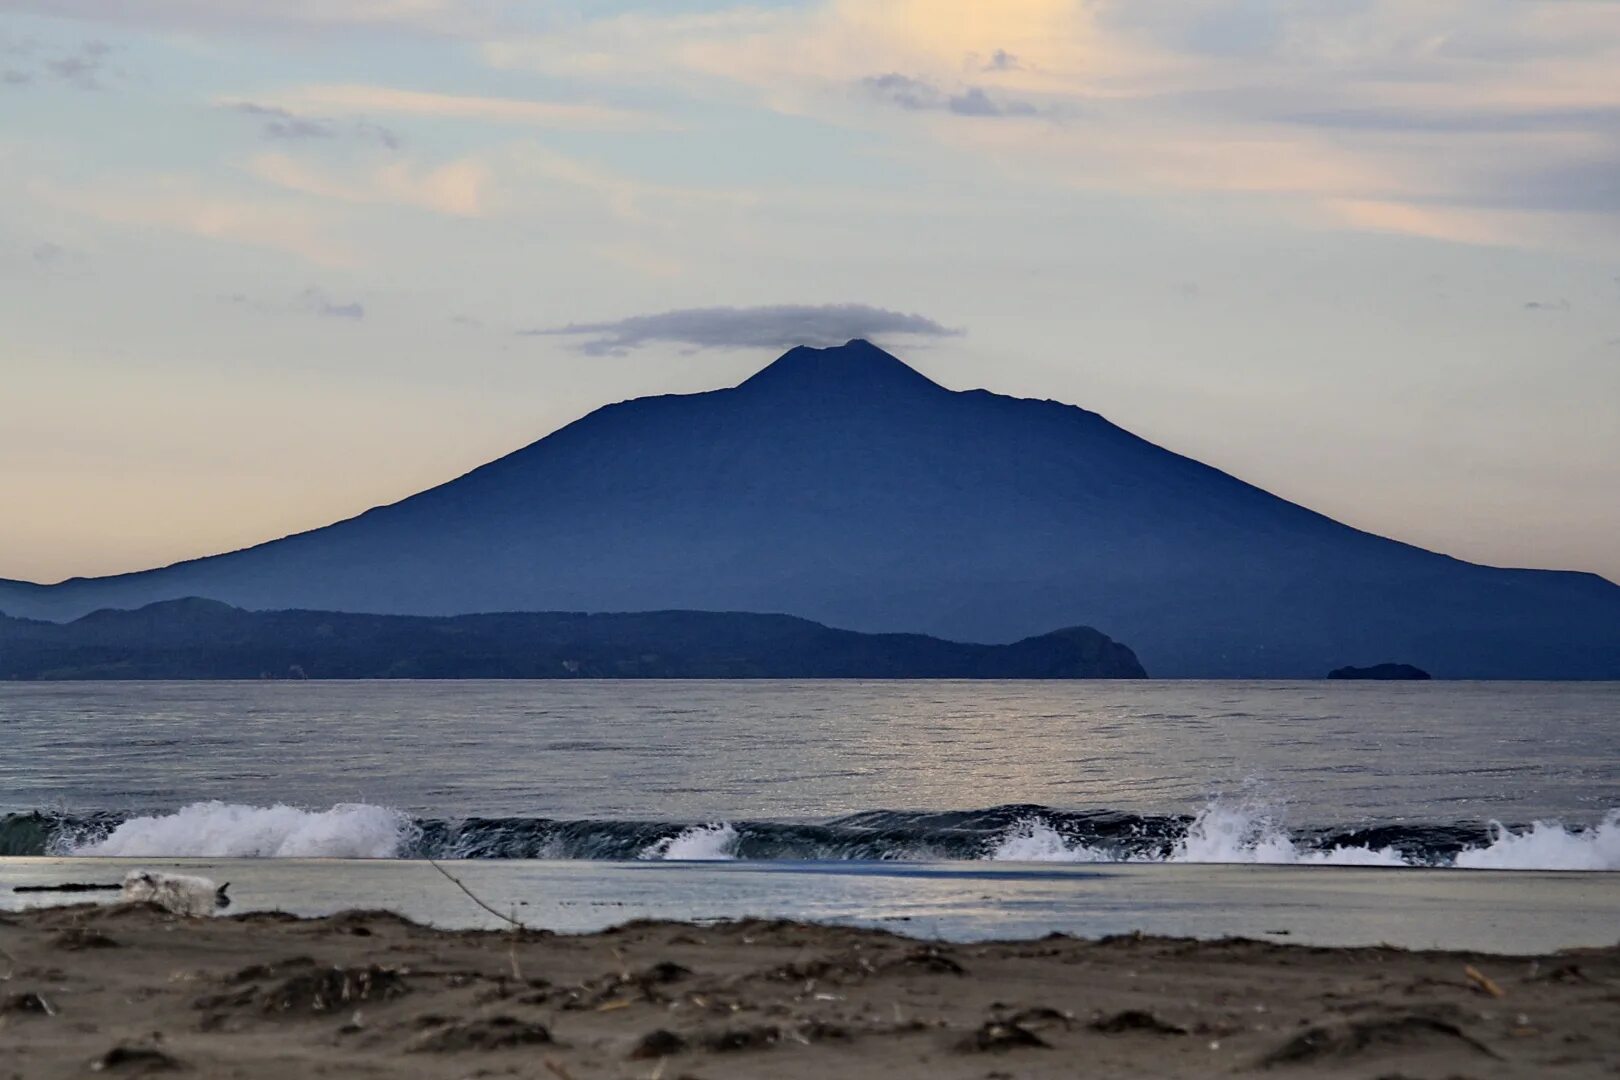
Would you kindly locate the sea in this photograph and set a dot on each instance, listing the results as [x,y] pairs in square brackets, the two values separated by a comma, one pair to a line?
[1505,776]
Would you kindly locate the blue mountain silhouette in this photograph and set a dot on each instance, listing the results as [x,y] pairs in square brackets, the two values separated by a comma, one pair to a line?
[843,486]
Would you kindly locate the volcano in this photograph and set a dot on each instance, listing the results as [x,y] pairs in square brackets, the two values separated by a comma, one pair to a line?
[843,486]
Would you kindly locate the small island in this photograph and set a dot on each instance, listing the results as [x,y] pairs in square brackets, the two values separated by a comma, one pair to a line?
[1381,672]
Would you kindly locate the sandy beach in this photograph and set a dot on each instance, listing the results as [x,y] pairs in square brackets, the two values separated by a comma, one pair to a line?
[132,991]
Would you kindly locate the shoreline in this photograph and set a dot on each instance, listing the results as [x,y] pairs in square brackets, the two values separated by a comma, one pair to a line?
[1484,911]
[132,990]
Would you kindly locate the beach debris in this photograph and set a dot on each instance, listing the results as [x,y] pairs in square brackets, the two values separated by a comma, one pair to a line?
[1135,1020]
[128,1059]
[27,1002]
[79,938]
[929,958]
[356,922]
[486,1033]
[853,967]
[815,1031]
[1040,1014]
[1482,982]
[830,968]
[665,971]
[274,970]
[996,1036]
[66,887]
[728,1040]
[1562,973]
[555,1068]
[1390,1034]
[607,992]
[333,988]
[511,920]
[178,894]
[657,1043]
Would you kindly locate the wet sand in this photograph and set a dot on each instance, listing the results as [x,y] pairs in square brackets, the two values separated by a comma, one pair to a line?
[1508,912]
[133,991]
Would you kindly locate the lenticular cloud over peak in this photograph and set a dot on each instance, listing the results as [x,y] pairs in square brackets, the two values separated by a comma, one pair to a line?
[764,327]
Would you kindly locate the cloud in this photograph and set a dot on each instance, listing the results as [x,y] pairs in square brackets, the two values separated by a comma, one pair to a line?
[51,259]
[919,94]
[278,123]
[904,91]
[49,254]
[1002,60]
[1463,120]
[312,301]
[317,301]
[456,18]
[84,67]
[458,188]
[1384,115]
[357,98]
[773,326]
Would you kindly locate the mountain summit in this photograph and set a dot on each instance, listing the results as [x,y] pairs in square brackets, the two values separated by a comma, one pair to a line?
[854,370]
[843,486]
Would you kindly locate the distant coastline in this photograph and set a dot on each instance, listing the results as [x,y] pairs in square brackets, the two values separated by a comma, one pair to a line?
[204,639]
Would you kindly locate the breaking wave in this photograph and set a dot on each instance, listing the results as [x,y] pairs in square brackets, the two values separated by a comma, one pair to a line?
[1031,839]
[1222,832]
[700,843]
[225,831]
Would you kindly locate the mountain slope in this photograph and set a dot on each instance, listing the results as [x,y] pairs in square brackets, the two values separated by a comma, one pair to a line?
[841,485]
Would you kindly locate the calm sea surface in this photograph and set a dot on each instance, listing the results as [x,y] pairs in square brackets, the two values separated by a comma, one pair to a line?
[489,767]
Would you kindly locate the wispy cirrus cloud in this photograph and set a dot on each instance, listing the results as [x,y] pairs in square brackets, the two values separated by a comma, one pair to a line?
[313,300]
[458,188]
[278,123]
[768,326]
[353,98]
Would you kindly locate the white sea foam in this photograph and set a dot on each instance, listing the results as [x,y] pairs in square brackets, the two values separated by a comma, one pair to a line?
[1249,833]
[1252,832]
[1548,845]
[228,830]
[1032,839]
[1220,833]
[699,843]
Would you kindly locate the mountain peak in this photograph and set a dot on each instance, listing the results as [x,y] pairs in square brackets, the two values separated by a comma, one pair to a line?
[856,367]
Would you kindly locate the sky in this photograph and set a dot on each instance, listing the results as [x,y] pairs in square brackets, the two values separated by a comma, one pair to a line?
[267,263]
